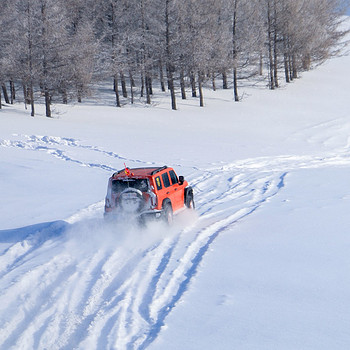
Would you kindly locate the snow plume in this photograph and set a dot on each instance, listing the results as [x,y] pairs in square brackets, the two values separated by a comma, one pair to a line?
[88,236]
[89,284]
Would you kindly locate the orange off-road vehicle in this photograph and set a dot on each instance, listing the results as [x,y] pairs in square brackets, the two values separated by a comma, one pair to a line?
[142,193]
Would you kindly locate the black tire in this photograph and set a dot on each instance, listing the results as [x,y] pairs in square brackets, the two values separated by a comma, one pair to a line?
[190,203]
[168,216]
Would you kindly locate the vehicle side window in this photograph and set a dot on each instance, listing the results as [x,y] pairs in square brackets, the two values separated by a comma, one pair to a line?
[166,180]
[158,183]
[173,177]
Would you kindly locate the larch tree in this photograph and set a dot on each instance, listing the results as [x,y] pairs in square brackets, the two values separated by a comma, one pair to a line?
[80,55]
[57,48]
[169,48]
[26,49]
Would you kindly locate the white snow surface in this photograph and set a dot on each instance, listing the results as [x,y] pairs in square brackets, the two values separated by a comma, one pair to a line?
[263,262]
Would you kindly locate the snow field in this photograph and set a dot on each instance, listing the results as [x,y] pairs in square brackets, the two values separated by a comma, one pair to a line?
[280,280]
[262,263]
[113,286]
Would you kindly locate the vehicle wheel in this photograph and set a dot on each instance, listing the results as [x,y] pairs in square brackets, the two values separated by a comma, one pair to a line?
[190,203]
[168,214]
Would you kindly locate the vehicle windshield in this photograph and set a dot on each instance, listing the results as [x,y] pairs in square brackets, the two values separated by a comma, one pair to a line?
[121,185]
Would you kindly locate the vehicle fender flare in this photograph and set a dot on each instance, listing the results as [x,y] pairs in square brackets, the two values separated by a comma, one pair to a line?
[165,202]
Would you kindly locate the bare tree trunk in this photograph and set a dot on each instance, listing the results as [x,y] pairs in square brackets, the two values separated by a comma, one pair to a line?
[131,94]
[132,84]
[285,59]
[286,70]
[224,80]
[148,95]
[290,67]
[182,84]
[31,94]
[6,96]
[171,88]
[79,92]
[269,32]
[161,76]
[116,90]
[142,84]
[235,84]
[169,66]
[294,65]
[44,58]
[271,82]
[0,101]
[122,79]
[234,52]
[132,80]
[200,89]
[13,91]
[145,76]
[28,91]
[150,85]
[275,56]
[213,81]
[64,96]
[114,38]
[47,103]
[261,64]
[193,84]
[25,98]
[275,67]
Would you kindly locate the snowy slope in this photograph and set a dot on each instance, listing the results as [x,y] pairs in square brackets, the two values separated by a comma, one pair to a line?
[261,264]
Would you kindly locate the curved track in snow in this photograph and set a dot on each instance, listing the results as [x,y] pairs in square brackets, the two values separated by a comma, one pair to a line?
[84,284]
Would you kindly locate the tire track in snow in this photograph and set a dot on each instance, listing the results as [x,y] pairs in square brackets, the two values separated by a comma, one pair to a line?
[33,238]
[166,298]
[113,287]
[28,295]
[180,261]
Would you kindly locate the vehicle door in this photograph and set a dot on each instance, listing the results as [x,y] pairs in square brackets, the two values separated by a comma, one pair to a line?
[173,190]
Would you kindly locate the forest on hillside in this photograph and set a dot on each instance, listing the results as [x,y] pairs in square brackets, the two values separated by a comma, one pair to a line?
[58,49]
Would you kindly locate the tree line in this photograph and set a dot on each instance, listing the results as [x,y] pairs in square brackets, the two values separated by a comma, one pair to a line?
[57,49]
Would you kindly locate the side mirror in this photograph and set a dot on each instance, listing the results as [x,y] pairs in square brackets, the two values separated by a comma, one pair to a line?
[181,180]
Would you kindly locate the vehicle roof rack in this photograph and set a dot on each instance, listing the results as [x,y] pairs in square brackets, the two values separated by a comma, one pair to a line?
[158,170]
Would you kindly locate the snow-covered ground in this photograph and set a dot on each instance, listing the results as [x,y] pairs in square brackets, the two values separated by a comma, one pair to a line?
[262,264]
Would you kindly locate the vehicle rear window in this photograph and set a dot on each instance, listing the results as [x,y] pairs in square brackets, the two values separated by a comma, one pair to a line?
[121,185]
[173,177]
[166,180]
[158,183]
